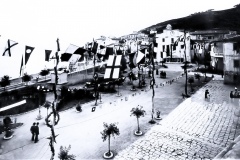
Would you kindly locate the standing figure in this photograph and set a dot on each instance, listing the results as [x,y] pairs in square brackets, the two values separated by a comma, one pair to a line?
[206,93]
[32,129]
[36,133]
[231,94]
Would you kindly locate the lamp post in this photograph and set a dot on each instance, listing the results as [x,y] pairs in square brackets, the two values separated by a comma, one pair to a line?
[152,81]
[39,88]
[95,77]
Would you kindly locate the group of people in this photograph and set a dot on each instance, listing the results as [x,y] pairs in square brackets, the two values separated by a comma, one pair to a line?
[35,132]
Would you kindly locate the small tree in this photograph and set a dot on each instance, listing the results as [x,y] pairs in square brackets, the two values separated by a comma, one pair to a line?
[138,112]
[26,78]
[190,81]
[5,81]
[64,153]
[44,72]
[109,130]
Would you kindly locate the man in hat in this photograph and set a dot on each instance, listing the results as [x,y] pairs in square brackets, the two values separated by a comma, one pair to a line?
[32,129]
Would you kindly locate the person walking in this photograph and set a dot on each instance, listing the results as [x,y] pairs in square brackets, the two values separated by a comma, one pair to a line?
[32,129]
[36,133]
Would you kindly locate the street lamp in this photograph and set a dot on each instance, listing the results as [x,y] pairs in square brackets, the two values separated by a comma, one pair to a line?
[95,77]
[40,92]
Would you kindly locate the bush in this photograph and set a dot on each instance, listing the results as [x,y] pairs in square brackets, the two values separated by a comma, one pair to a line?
[79,108]
[7,121]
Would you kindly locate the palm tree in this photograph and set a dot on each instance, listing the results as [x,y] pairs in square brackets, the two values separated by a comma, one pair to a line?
[5,81]
[44,72]
[138,112]
[109,130]
[26,78]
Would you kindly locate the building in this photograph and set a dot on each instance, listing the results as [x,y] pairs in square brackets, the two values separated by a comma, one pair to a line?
[210,41]
[170,45]
[231,60]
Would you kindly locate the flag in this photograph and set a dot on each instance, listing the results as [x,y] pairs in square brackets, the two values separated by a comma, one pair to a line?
[73,53]
[132,60]
[21,66]
[140,56]
[80,51]
[102,47]
[47,54]
[113,67]
[119,52]
[176,42]
[7,50]
[65,57]
[94,48]
[109,51]
[28,51]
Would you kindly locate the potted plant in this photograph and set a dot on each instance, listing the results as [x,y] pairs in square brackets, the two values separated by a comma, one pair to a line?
[64,153]
[138,112]
[158,113]
[8,132]
[109,130]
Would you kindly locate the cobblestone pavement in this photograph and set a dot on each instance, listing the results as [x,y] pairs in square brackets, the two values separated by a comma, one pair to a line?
[198,128]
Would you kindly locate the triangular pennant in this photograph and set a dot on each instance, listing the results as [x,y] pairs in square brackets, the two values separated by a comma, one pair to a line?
[7,50]
[28,52]
[47,54]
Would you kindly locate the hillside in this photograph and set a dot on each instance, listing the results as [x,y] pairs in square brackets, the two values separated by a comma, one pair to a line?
[224,19]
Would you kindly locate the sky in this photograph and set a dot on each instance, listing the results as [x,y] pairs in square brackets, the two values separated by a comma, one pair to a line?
[38,23]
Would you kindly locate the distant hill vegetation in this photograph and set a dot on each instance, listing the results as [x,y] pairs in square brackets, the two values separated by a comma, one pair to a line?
[225,19]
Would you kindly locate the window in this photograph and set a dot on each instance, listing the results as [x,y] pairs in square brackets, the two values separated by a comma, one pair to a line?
[236,63]
[163,40]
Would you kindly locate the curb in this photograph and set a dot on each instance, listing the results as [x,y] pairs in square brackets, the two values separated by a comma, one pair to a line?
[227,149]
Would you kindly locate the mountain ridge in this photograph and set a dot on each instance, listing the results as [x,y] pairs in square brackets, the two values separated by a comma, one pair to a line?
[209,20]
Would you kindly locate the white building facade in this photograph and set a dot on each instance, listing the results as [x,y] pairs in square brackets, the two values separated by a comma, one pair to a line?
[170,45]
